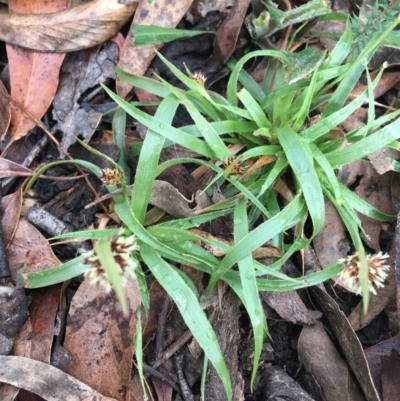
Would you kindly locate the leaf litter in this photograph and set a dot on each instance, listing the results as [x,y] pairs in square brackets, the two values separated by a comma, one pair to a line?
[98,337]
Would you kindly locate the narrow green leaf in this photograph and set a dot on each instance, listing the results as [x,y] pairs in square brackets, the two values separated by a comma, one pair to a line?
[119,131]
[216,144]
[250,291]
[110,266]
[366,146]
[287,218]
[303,167]
[148,159]
[55,275]
[173,134]
[254,109]
[148,34]
[233,79]
[96,170]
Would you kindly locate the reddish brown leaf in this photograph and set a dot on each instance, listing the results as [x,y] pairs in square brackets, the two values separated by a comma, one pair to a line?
[331,243]
[390,376]
[136,59]
[29,248]
[11,207]
[227,34]
[33,76]
[42,312]
[9,168]
[100,339]
[5,111]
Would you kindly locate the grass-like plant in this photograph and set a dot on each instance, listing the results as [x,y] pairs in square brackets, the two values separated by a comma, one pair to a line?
[269,120]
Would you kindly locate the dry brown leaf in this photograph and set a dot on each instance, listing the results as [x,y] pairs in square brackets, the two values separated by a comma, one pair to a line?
[100,339]
[78,28]
[11,206]
[5,111]
[390,376]
[42,312]
[375,189]
[9,168]
[291,307]
[44,380]
[349,343]
[227,35]
[136,59]
[33,76]
[374,356]
[331,243]
[320,358]
[166,197]
[382,160]
[31,249]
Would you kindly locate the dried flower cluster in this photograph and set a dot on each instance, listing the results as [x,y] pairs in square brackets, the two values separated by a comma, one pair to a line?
[112,176]
[234,166]
[123,249]
[199,78]
[378,268]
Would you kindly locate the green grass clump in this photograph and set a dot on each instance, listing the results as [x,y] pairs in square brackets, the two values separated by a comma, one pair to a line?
[270,119]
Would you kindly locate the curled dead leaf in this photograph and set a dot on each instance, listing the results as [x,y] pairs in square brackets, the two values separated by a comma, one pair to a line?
[77,28]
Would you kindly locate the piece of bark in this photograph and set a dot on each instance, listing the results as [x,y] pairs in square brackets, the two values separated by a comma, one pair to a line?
[13,314]
[276,385]
[226,326]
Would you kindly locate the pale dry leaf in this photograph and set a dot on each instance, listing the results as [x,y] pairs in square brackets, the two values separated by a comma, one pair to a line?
[44,380]
[81,27]
[166,197]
